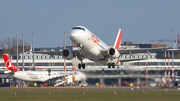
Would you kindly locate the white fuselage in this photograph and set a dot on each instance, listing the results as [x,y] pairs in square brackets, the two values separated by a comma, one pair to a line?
[41,76]
[90,45]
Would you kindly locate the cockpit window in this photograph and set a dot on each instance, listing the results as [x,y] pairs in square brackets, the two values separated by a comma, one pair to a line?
[78,28]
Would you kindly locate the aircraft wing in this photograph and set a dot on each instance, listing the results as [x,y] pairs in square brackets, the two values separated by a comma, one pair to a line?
[132,59]
[141,50]
[177,76]
[49,52]
[104,52]
[59,76]
[54,52]
[6,72]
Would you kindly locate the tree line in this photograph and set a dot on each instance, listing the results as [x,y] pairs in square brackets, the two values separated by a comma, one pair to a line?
[9,46]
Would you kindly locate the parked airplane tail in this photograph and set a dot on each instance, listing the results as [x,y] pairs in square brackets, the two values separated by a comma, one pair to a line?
[8,63]
[118,40]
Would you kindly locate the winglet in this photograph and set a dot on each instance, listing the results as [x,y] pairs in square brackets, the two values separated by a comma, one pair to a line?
[118,40]
[175,44]
[8,63]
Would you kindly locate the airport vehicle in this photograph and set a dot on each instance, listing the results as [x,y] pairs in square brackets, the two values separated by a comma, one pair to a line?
[125,83]
[91,47]
[38,76]
[79,78]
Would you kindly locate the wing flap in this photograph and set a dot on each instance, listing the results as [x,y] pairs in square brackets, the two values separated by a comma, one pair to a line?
[104,52]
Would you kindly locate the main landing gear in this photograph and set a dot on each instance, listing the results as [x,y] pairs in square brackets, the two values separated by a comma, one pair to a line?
[80,57]
[111,65]
[81,65]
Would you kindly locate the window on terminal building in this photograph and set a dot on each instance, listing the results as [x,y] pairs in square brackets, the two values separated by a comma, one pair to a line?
[149,63]
[60,57]
[68,64]
[2,81]
[44,64]
[2,64]
[142,63]
[7,80]
[27,64]
[154,63]
[125,56]
[20,64]
[30,57]
[38,64]
[56,64]
[39,57]
[139,56]
[136,56]
[51,64]
[147,56]
[14,57]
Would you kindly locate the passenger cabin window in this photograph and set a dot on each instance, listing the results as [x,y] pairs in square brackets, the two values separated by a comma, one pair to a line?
[78,28]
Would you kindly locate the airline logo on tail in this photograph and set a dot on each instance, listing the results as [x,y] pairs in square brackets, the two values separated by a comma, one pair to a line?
[8,63]
[118,39]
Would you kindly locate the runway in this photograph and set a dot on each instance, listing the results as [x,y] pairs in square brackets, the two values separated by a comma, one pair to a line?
[89,93]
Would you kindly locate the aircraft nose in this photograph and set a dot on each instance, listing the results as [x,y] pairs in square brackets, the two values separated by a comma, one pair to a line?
[75,33]
[74,36]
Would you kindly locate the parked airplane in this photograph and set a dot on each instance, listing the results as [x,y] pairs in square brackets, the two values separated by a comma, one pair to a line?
[38,76]
[94,49]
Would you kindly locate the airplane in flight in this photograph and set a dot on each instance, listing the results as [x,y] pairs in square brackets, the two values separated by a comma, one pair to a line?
[91,47]
[40,76]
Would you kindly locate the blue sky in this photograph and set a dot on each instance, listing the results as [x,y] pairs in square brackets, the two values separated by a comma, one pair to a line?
[140,20]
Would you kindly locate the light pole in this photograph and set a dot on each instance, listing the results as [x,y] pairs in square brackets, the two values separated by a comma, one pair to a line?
[17,48]
[23,51]
[119,79]
[63,57]
[172,57]
[33,49]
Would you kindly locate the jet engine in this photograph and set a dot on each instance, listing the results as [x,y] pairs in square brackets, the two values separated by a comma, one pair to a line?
[67,54]
[113,53]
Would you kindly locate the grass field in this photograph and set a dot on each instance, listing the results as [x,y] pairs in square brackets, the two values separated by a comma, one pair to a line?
[87,94]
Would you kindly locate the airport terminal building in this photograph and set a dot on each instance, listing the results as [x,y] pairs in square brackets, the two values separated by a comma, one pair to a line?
[130,71]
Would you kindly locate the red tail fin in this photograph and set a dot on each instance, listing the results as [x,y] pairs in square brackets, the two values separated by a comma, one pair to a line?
[118,40]
[8,63]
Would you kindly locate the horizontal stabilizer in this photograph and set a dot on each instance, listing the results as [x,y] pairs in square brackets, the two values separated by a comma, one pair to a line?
[7,72]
